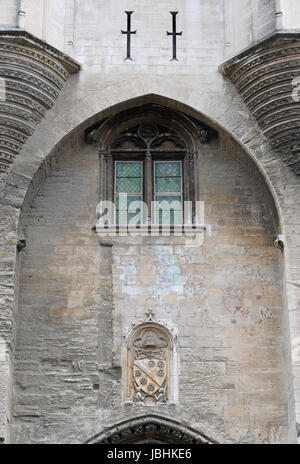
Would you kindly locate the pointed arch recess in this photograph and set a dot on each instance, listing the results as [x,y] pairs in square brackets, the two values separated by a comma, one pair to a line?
[39,167]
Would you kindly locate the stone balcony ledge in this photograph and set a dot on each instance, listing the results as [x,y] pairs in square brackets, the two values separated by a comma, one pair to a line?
[184,234]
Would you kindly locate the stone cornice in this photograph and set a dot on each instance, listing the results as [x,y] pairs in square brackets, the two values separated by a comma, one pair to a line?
[264,75]
[23,37]
[32,75]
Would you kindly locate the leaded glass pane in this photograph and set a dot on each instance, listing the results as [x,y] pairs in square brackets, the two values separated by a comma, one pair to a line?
[168,210]
[169,202]
[168,169]
[171,218]
[128,185]
[131,202]
[128,169]
[167,184]
[123,218]
[128,208]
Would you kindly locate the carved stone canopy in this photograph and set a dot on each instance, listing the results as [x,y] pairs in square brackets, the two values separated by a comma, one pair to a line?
[150,340]
[149,126]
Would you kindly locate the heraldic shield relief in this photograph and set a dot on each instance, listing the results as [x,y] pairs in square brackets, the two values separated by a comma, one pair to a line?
[150,367]
[150,374]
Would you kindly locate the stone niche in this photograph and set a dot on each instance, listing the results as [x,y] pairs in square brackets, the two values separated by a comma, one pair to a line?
[150,365]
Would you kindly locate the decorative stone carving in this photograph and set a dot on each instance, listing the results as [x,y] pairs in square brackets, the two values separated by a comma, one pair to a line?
[34,73]
[21,244]
[264,76]
[280,241]
[149,364]
[189,158]
[145,429]
[204,133]
[148,132]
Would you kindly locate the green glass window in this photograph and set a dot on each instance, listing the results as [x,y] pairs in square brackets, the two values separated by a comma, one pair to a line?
[128,192]
[168,192]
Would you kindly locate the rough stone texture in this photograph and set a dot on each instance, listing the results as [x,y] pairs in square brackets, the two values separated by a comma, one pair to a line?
[256,20]
[266,77]
[4,388]
[33,74]
[8,12]
[39,179]
[106,85]
[216,296]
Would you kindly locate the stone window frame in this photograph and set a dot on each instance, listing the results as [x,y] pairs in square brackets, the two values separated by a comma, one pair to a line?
[185,131]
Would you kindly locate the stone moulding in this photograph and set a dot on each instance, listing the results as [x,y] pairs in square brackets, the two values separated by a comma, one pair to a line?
[32,74]
[267,76]
[150,427]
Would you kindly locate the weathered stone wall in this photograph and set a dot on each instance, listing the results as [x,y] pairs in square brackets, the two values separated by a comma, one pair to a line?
[92,35]
[247,22]
[59,22]
[8,15]
[231,377]
[290,14]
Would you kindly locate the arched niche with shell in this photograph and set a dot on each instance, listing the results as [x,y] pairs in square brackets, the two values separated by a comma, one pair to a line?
[150,367]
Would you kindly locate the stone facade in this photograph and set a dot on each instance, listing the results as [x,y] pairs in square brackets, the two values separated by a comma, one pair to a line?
[33,74]
[230,302]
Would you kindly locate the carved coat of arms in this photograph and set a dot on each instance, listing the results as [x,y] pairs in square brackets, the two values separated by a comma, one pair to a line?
[150,367]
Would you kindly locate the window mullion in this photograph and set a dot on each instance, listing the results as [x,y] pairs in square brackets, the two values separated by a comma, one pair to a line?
[148,186]
[109,173]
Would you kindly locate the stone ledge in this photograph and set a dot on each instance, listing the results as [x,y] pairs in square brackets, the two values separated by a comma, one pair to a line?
[186,234]
[264,76]
[32,75]
[23,37]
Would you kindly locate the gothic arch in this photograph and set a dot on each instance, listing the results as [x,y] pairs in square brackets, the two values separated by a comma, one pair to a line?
[38,161]
[150,429]
[150,132]
[58,129]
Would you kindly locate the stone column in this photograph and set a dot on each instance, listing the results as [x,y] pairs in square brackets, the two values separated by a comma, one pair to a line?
[108,168]
[102,174]
[191,180]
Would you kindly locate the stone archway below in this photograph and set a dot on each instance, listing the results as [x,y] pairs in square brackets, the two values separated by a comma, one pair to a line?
[150,430]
